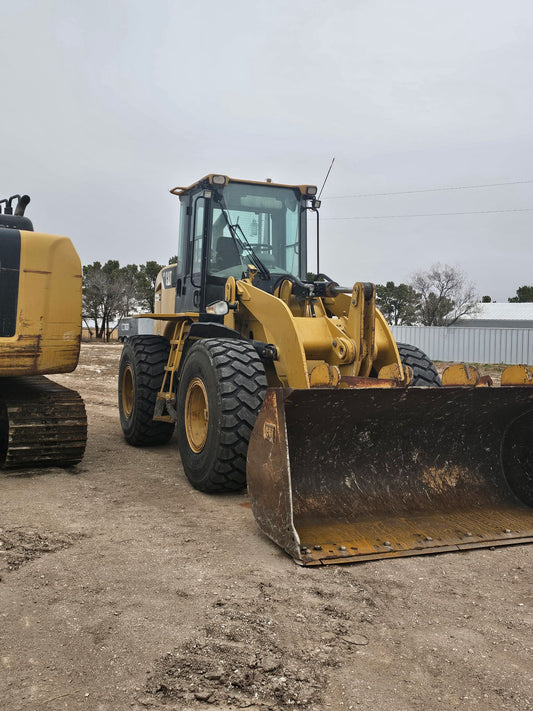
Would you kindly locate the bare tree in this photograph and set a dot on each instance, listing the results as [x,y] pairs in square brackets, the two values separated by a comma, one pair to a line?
[446,294]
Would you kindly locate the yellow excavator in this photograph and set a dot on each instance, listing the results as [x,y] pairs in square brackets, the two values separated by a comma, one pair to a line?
[350,444]
[41,423]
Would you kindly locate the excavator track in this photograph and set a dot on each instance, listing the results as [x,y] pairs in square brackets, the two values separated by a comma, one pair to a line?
[42,424]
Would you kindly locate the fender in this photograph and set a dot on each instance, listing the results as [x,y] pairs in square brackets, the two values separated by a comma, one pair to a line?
[210,329]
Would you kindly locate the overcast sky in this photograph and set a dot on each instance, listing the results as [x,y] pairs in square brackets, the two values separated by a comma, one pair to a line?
[106,104]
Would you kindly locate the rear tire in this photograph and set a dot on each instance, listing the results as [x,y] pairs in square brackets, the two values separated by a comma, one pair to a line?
[221,390]
[141,371]
[425,373]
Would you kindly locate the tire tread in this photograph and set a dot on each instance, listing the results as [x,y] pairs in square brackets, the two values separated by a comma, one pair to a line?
[149,358]
[425,373]
[242,385]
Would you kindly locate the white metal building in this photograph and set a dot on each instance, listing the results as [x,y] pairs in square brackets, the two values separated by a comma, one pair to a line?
[497,315]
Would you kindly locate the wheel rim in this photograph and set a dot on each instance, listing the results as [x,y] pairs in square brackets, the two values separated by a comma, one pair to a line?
[196,415]
[128,395]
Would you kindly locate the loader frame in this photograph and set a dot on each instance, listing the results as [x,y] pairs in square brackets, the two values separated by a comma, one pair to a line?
[345,461]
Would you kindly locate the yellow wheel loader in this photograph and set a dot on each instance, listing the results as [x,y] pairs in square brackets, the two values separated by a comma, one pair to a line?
[41,423]
[351,447]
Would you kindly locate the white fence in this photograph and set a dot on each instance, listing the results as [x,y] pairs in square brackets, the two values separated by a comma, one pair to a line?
[470,345]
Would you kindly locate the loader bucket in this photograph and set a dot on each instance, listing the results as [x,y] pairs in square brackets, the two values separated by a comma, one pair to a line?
[348,475]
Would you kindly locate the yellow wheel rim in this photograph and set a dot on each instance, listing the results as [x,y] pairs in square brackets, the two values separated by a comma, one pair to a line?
[128,392]
[196,415]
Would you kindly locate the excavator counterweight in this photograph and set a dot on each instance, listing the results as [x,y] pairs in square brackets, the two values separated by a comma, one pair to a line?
[41,423]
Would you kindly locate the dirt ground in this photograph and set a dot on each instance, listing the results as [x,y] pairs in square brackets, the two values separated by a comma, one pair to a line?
[123,588]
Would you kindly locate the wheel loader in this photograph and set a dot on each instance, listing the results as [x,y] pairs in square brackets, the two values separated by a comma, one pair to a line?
[41,423]
[350,444]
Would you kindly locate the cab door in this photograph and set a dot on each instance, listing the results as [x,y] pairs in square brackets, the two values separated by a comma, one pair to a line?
[190,294]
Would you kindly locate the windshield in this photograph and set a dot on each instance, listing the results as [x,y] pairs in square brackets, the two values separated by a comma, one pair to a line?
[266,223]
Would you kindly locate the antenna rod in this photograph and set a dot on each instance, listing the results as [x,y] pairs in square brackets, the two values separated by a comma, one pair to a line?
[327,176]
[317,245]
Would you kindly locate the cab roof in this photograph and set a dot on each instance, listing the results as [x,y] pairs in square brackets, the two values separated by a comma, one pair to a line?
[217,179]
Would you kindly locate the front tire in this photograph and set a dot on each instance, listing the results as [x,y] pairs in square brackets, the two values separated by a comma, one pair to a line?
[221,390]
[141,371]
[424,372]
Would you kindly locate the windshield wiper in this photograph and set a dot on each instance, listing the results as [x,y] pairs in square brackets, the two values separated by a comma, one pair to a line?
[243,244]
[265,273]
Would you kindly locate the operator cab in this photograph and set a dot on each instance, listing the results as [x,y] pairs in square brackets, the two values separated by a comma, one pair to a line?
[227,225]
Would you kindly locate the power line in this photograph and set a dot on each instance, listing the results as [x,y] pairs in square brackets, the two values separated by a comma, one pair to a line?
[428,214]
[430,190]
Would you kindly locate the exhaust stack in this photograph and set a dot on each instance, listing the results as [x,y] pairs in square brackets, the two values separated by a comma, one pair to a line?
[14,217]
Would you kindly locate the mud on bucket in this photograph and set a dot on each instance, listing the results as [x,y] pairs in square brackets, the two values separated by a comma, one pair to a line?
[348,475]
